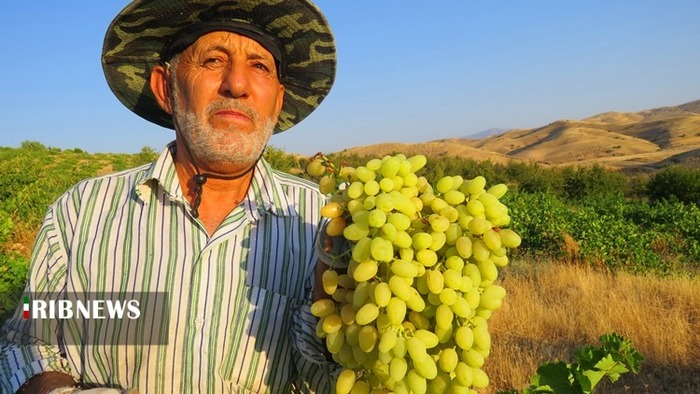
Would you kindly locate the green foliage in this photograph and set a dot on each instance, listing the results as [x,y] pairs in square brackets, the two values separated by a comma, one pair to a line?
[679,183]
[585,182]
[281,160]
[613,358]
[13,270]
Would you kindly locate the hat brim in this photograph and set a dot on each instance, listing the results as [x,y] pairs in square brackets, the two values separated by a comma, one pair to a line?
[139,33]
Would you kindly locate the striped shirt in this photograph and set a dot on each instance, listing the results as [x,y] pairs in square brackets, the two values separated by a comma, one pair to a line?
[239,316]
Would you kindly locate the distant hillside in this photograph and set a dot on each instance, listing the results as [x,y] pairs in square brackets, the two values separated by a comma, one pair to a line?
[637,141]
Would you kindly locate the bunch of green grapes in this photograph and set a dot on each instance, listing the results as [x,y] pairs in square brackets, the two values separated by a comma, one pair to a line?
[409,310]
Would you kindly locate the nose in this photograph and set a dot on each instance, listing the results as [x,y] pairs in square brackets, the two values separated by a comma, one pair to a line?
[236,81]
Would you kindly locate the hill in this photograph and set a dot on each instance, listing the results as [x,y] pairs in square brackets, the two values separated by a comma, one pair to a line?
[634,141]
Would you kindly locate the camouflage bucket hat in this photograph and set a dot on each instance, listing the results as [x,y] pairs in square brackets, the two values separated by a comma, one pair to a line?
[140,33]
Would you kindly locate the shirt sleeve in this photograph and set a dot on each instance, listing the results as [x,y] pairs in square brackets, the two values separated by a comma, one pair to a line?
[29,347]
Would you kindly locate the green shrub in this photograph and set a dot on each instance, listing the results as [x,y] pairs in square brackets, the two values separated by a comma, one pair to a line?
[676,182]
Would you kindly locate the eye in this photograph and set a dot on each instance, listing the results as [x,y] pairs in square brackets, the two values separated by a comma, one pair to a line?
[261,66]
[212,62]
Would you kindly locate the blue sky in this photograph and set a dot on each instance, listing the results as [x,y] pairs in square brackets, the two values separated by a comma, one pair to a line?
[408,71]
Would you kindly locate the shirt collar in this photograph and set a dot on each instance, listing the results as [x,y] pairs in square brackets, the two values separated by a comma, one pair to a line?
[264,194]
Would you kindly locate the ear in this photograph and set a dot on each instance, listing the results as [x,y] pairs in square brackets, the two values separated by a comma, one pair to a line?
[280,100]
[159,87]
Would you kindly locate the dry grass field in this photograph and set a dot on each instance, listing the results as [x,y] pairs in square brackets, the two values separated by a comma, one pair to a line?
[552,309]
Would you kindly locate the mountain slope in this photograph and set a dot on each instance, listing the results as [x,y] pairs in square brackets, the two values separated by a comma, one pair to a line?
[639,140]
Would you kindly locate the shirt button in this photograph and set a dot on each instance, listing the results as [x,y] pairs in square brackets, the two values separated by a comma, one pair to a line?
[198,321]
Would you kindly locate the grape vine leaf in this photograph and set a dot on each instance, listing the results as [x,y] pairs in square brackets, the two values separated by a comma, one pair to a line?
[554,377]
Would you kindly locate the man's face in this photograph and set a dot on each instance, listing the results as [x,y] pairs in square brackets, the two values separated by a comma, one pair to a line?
[225,98]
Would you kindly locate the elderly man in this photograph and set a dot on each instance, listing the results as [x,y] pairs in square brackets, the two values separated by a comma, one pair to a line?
[210,225]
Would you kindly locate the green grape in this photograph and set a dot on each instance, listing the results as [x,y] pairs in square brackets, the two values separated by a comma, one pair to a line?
[382,249]
[444,334]
[473,298]
[400,288]
[434,299]
[429,339]
[405,167]
[384,357]
[426,367]
[326,184]
[427,257]
[496,211]
[497,190]
[360,295]
[361,250]
[453,232]
[474,186]
[406,253]
[488,270]
[315,168]
[464,247]
[416,349]
[421,241]
[422,283]
[376,218]
[365,270]
[360,387]
[371,188]
[347,314]
[322,307]
[480,251]
[399,220]
[482,338]
[439,240]
[367,337]
[416,383]
[449,213]
[347,174]
[355,232]
[332,323]
[492,297]
[387,341]
[345,382]
[437,204]
[480,380]
[454,197]
[340,295]
[396,310]
[417,162]
[329,280]
[487,200]
[472,271]
[453,278]
[367,314]
[444,184]
[369,203]
[475,208]
[503,221]
[415,302]
[335,341]
[402,240]
[390,167]
[478,226]
[492,239]
[440,384]
[464,337]
[352,333]
[500,261]
[356,189]
[386,185]
[419,320]
[448,296]
[332,210]
[443,316]
[384,202]
[404,268]
[436,281]
[457,180]
[509,238]
[448,359]
[464,374]
[374,164]
[461,307]
[466,284]
[382,294]
[439,223]
[398,368]
[472,358]
[410,180]
[388,232]
[455,263]
[364,174]
[353,206]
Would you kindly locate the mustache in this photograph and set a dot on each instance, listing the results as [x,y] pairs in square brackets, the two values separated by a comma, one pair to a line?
[232,104]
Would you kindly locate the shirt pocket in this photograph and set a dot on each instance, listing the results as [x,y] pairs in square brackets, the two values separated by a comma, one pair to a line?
[257,355]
